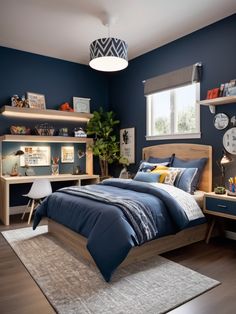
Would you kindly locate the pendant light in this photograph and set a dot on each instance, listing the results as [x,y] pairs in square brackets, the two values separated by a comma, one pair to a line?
[108,54]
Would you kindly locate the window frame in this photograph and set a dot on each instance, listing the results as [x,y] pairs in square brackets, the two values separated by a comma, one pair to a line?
[173,135]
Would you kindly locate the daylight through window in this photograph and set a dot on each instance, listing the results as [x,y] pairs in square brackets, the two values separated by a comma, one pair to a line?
[174,113]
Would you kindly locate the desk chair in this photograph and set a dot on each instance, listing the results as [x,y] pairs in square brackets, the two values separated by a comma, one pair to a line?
[40,188]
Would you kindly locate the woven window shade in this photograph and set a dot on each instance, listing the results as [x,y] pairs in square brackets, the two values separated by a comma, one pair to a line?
[181,77]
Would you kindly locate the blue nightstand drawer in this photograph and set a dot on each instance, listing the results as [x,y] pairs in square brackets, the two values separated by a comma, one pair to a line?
[222,206]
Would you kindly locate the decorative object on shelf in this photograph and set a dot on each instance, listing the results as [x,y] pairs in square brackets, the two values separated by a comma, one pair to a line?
[224,161]
[15,168]
[55,166]
[81,154]
[16,101]
[221,121]
[213,93]
[79,132]
[105,144]
[232,186]
[63,132]
[229,141]
[77,170]
[108,54]
[44,129]
[29,171]
[67,154]
[19,130]
[127,144]
[66,107]
[35,156]
[81,104]
[36,101]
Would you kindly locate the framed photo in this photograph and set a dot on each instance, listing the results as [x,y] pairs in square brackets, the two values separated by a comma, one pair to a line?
[35,156]
[81,104]
[67,154]
[127,144]
[36,101]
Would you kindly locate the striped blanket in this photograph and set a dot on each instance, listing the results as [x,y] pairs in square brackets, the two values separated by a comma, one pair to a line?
[139,216]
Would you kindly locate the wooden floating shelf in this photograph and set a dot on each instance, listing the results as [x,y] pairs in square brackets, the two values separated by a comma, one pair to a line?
[217,101]
[48,139]
[48,114]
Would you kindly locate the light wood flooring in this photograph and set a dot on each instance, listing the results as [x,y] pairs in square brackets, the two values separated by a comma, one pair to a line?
[19,293]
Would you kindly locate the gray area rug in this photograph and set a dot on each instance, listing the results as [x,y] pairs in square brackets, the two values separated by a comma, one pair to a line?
[152,286]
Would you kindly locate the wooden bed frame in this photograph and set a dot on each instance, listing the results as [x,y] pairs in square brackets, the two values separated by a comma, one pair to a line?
[152,248]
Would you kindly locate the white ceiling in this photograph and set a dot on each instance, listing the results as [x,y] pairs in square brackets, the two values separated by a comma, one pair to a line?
[65,28]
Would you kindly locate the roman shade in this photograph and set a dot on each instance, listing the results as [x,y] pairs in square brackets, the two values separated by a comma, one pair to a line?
[181,77]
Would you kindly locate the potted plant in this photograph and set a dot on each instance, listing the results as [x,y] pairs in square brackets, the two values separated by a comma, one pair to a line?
[105,145]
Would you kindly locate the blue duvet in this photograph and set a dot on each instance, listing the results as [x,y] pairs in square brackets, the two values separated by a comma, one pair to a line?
[110,236]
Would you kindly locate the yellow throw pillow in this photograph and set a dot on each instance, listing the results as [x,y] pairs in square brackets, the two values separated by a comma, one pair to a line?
[163,173]
[161,168]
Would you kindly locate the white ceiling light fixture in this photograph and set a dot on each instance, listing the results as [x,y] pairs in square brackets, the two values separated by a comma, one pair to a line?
[108,54]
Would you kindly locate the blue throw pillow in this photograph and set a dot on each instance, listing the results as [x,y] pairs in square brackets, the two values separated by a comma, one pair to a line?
[147,177]
[187,180]
[148,167]
[193,163]
[168,160]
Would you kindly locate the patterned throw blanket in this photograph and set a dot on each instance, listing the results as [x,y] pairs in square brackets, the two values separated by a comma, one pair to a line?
[139,216]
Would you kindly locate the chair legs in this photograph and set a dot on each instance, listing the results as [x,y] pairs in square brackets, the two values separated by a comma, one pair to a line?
[31,211]
[27,206]
[33,204]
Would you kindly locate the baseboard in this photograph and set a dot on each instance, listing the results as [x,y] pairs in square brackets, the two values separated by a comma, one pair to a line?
[230,234]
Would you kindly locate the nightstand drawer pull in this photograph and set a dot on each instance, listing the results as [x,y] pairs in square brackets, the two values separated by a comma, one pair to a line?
[222,206]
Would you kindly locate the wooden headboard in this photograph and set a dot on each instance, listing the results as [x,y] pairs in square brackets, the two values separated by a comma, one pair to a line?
[187,152]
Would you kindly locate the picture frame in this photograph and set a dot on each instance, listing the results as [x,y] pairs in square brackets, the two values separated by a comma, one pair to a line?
[127,144]
[35,156]
[81,104]
[36,101]
[67,154]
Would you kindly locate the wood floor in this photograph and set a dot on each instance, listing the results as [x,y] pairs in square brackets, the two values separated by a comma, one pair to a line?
[20,294]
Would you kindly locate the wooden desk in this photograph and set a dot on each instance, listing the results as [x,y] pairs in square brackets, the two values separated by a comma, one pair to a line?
[7,181]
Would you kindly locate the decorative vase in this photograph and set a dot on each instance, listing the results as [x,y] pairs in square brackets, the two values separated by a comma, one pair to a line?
[55,169]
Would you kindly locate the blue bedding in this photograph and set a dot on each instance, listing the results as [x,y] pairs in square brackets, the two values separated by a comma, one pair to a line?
[109,233]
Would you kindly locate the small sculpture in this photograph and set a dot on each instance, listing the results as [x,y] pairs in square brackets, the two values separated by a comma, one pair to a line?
[66,107]
[16,101]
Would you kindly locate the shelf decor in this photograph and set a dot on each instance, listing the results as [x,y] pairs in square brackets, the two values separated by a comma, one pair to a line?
[67,154]
[36,101]
[35,156]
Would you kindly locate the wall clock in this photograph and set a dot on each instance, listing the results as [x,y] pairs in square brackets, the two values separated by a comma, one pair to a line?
[221,121]
[229,141]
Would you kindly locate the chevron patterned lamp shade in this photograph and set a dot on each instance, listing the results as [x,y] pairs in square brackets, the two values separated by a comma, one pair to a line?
[108,54]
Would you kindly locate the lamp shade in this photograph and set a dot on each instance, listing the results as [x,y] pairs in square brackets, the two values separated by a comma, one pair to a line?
[225,159]
[108,54]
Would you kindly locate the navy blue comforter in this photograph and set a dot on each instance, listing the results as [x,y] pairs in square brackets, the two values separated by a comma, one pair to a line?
[110,236]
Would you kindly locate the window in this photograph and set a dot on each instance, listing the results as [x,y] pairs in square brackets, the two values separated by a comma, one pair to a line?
[174,113]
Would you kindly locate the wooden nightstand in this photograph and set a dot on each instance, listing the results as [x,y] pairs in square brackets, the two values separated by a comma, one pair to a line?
[219,205]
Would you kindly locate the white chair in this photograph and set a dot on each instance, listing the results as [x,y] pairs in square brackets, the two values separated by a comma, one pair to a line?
[40,188]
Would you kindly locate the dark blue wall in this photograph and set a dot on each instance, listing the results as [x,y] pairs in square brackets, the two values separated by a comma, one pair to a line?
[214,46]
[58,80]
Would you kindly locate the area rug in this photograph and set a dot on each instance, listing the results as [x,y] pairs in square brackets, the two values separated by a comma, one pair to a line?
[152,286]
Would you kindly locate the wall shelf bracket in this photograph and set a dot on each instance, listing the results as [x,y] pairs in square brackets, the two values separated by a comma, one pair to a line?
[212,109]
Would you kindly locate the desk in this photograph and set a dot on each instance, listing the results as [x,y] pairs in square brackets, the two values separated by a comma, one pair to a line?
[7,181]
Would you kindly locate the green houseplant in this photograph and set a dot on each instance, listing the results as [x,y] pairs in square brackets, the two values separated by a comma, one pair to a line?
[105,146]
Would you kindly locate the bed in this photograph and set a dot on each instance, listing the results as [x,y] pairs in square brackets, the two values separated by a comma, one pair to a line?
[101,232]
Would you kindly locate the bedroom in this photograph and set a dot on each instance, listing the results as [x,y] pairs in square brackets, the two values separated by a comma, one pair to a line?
[26,69]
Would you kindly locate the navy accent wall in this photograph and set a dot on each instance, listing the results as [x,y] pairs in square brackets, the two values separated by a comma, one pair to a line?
[58,80]
[214,46]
